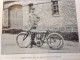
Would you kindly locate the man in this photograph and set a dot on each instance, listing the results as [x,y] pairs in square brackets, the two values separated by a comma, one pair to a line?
[33,23]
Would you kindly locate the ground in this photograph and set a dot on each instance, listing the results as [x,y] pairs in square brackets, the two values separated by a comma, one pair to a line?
[9,46]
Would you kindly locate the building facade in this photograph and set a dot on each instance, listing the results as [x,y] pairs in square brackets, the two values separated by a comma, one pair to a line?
[58,15]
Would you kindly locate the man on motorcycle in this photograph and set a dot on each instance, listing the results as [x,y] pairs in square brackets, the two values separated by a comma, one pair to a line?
[33,23]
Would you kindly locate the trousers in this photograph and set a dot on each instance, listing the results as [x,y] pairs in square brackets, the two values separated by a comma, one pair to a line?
[33,37]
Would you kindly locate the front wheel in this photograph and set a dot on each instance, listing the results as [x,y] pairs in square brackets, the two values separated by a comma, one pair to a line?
[23,40]
[55,41]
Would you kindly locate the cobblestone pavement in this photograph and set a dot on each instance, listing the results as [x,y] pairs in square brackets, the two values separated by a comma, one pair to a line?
[9,46]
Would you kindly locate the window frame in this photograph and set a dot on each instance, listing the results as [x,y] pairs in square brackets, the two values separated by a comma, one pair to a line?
[55,8]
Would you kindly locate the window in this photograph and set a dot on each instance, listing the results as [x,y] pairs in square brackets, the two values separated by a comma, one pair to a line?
[55,8]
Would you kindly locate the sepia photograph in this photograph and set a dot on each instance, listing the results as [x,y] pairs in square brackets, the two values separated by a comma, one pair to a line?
[39,26]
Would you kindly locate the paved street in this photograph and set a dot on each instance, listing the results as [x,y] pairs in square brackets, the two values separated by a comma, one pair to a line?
[9,46]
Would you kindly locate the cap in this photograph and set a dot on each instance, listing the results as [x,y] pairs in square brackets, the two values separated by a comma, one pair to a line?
[31,4]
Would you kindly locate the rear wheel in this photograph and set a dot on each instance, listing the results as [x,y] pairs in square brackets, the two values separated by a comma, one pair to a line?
[55,41]
[23,40]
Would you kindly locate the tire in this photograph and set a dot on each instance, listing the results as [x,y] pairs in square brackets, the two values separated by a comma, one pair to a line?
[55,41]
[22,40]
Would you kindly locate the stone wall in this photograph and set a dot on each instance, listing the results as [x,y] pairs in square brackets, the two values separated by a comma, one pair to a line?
[69,15]
[66,20]
[47,20]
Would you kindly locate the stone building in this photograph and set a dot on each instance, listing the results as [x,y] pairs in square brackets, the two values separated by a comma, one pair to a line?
[58,15]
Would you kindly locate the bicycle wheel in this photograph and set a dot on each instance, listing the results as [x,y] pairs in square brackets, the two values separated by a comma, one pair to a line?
[23,40]
[55,41]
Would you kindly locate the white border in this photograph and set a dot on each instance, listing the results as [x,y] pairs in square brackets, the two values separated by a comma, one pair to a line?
[78,15]
[52,56]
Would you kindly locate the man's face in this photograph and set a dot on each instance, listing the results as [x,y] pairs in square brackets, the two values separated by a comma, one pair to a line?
[32,11]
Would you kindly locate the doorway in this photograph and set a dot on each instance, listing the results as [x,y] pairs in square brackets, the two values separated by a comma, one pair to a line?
[15,17]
